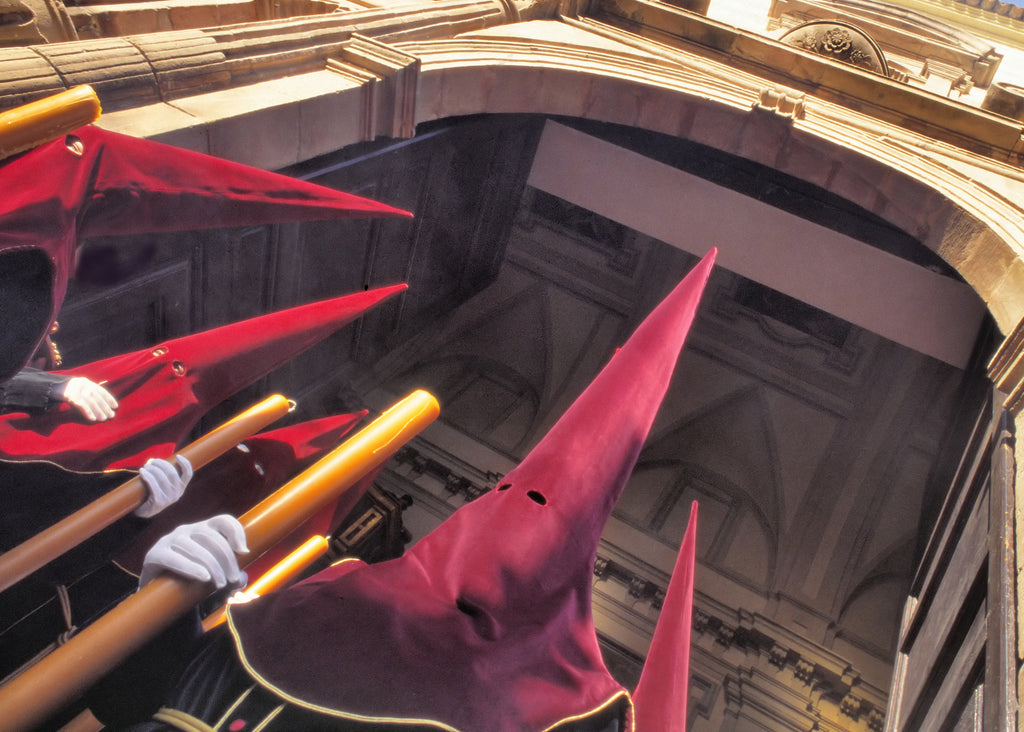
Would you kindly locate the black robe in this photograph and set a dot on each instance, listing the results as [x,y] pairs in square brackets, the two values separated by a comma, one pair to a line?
[182,675]
[34,613]
[31,390]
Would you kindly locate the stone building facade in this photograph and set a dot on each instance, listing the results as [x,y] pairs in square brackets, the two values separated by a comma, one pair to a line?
[846,408]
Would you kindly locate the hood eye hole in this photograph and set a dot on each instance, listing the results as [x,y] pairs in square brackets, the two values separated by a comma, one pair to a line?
[537,497]
[465,607]
[74,145]
[504,486]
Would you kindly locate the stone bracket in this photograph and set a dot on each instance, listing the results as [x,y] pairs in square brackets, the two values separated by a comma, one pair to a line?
[819,677]
[388,78]
[1017,153]
[784,102]
[1006,369]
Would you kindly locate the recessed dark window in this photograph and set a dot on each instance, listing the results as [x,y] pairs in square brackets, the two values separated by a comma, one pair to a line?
[794,313]
[594,228]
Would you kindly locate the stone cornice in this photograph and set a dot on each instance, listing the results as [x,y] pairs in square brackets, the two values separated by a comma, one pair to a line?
[794,662]
[806,669]
[389,77]
[872,94]
[1007,10]
[1004,22]
[908,32]
[134,71]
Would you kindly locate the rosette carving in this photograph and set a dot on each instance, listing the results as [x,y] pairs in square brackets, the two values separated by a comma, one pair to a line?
[839,41]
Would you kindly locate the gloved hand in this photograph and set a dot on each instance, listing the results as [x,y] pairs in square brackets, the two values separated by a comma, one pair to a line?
[204,551]
[92,400]
[164,483]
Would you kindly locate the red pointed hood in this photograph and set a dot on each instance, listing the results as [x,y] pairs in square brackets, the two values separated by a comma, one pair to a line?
[163,391]
[242,477]
[485,625]
[659,702]
[96,182]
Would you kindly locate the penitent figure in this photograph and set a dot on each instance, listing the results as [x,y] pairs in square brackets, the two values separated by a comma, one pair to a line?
[42,609]
[26,309]
[98,183]
[34,390]
[484,625]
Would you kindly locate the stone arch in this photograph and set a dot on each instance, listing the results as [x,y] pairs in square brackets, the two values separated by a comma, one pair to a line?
[906,179]
[950,187]
[883,583]
[746,460]
[737,536]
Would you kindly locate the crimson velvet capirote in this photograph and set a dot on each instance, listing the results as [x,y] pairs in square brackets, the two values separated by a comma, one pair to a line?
[164,391]
[659,701]
[94,183]
[485,624]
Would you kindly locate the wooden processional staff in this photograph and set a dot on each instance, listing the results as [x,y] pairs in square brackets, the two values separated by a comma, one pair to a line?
[57,678]
[65,535]
[35,123]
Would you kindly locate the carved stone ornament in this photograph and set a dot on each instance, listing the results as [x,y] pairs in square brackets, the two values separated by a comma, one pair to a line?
[839,41]
[1005,99]
[28,22]
[782,101]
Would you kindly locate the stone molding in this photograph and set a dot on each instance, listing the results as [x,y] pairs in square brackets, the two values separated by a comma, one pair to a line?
[784,102]
[989,18]
[885,100]
[1006,369]
[133,71]
[1005,99]
[34,21]
[729,645]
[462,481]
[388,77]
[800,666]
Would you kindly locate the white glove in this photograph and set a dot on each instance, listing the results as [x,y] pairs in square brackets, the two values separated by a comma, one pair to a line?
[92,400]
[164,483]
[203,551]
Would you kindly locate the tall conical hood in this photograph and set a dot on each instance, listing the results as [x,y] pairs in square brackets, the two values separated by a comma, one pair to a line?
[163,391]
[96,182]
[485,625]
[659,702]
[242,477]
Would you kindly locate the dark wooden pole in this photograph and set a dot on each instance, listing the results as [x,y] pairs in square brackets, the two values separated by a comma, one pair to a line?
[68,533]
[72,668]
